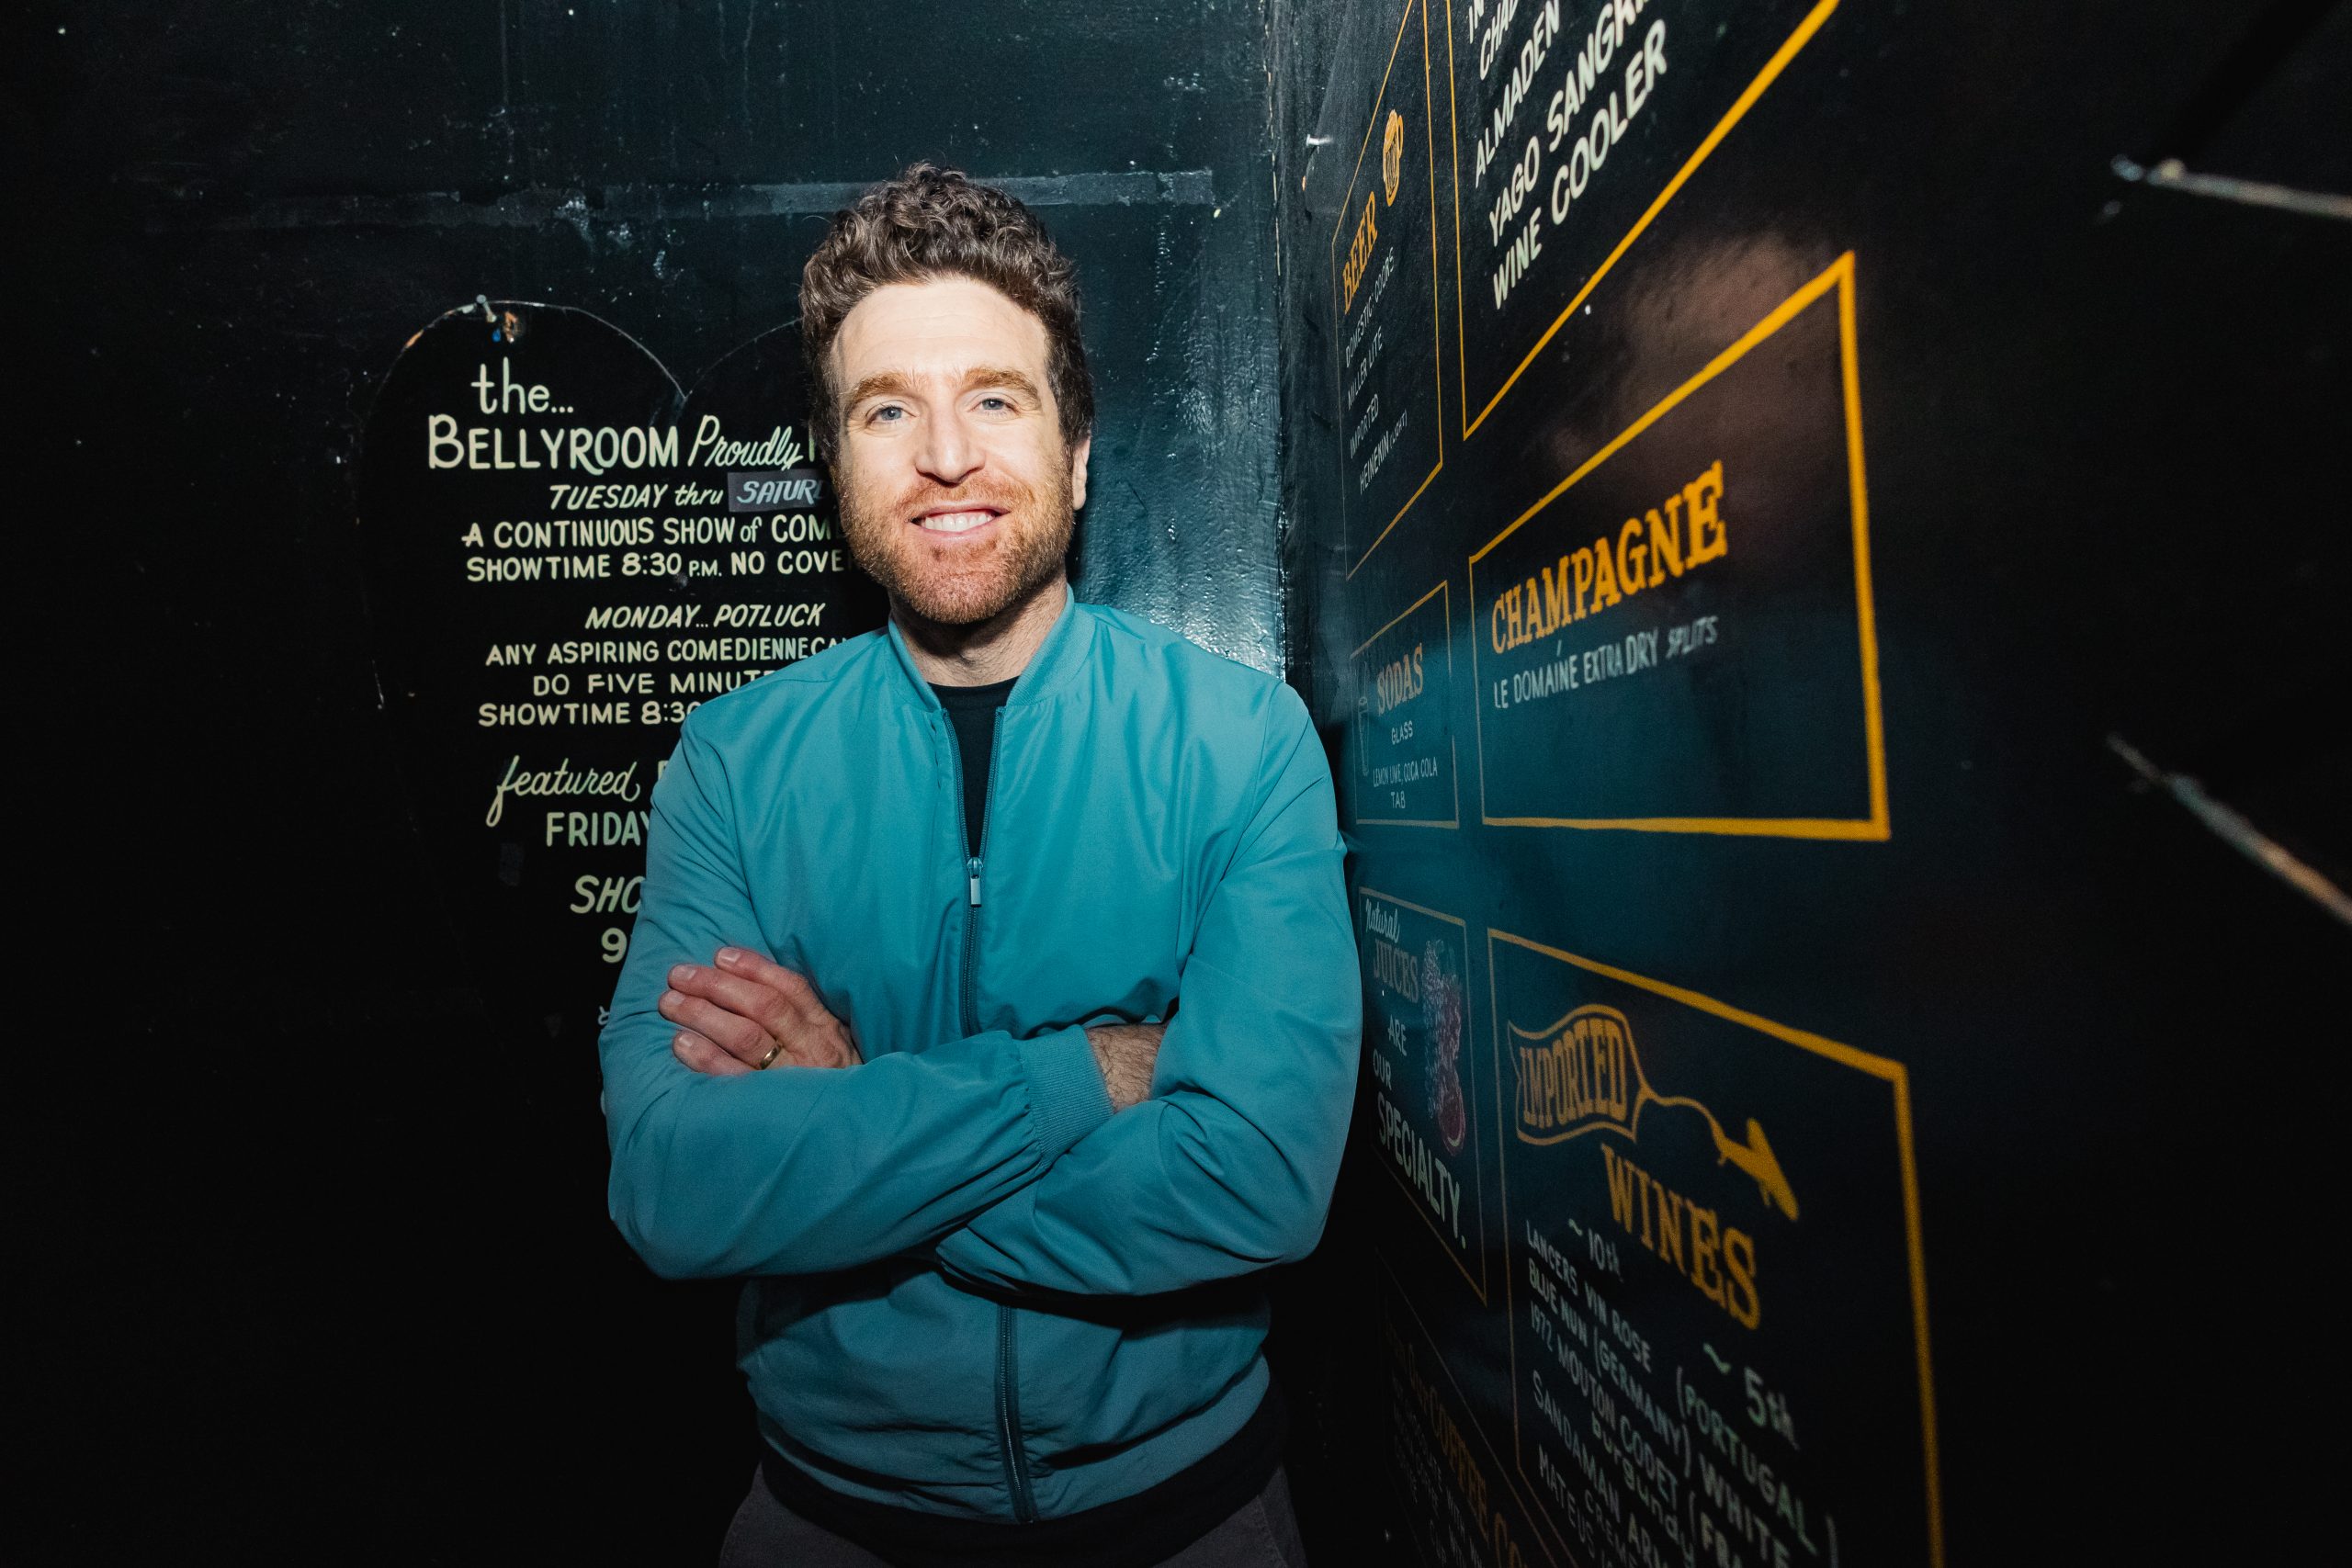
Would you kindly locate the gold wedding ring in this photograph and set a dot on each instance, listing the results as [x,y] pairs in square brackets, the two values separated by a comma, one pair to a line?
[774,1052]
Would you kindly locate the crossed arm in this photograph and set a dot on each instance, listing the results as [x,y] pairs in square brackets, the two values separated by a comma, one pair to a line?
[802,1168]
[990,1151]
[745,1013]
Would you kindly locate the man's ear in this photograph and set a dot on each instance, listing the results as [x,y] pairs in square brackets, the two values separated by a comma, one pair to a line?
[1078,456]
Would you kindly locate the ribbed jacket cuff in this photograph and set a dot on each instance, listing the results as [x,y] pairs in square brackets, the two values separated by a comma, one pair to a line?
[1067,1098]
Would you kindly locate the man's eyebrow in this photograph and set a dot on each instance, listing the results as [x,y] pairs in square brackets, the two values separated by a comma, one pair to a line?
[886,381]
[1002,375]
[897,383]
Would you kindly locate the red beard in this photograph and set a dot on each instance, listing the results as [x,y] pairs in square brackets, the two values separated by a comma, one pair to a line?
[954,582]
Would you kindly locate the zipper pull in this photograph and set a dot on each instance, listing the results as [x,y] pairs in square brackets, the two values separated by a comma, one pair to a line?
[972,880]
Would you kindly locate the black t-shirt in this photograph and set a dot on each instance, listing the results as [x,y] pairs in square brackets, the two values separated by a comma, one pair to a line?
[973,710]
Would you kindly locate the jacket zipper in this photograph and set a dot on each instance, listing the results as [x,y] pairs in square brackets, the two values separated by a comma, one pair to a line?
[1008,1369]
[1007,1382]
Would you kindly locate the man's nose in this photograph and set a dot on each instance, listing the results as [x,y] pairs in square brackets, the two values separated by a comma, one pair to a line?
[949,454]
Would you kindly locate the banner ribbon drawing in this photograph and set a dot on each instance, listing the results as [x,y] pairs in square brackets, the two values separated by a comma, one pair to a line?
[1581,1073]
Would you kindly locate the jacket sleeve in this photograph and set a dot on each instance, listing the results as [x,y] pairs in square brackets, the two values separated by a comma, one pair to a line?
[802,1169]
[1229,1166]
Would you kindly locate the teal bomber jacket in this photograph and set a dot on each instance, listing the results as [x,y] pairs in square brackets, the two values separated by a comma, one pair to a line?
[971,1288]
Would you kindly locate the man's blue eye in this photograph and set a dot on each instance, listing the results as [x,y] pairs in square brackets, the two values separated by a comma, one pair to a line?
[886,409]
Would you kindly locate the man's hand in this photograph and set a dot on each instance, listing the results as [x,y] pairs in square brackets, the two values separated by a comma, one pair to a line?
[746,1012]
[1125,1052]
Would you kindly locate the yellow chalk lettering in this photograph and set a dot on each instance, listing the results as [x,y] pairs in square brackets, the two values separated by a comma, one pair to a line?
[1705,495]
[1632,566]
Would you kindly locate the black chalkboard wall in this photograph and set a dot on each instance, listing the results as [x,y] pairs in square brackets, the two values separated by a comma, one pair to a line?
[1809,527]
[1779,495]
[318,1265]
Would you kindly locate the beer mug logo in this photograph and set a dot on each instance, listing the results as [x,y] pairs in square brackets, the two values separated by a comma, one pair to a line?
[1392,155]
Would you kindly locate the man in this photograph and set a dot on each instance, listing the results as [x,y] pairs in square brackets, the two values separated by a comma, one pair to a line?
[993,1002]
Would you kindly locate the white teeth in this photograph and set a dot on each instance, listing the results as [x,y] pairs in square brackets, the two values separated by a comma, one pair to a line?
[954,522]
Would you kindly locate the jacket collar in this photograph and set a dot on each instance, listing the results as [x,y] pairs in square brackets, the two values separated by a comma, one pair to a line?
[1067,643]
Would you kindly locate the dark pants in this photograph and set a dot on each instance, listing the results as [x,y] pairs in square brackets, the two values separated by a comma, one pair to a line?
[1262,1534]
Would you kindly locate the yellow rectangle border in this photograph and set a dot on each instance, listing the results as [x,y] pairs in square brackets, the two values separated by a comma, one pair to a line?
[1452,745]
[1338,318]
[1883,1068]
[1478,1156]
[1877,826]
[1747,100]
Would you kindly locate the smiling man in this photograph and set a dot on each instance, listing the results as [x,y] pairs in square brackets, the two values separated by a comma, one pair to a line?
[993,1008]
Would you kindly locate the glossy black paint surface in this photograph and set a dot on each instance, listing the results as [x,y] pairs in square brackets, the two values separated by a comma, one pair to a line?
[2083,401]
[317,1263]
[328,1274]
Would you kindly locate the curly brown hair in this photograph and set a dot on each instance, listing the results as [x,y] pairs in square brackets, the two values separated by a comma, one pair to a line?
[933,222]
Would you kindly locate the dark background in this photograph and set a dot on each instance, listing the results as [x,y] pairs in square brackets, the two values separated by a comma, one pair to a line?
[312,1259]
[315,1263]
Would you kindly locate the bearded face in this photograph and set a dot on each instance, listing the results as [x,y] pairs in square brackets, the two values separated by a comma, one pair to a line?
[958,554]
[958,493]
